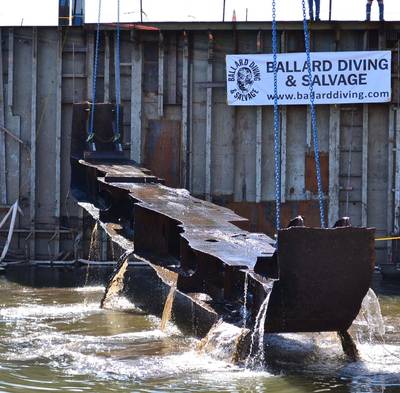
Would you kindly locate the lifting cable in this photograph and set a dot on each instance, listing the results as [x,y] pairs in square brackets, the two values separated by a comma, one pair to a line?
[277,141]
[313,119]
[117,133]
[90,138]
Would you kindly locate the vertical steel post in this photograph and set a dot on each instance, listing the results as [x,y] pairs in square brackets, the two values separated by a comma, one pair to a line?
[185,112]
[208,190]
[57,207]
[3,171]
[259,134]
[136,98]
[32,206]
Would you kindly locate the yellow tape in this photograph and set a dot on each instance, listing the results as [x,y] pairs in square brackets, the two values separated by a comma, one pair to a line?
[378,239]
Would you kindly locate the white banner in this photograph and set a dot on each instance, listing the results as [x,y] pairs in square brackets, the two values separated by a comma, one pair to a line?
[337,78]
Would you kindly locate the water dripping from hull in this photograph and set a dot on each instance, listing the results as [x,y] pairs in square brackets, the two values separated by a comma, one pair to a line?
[93,249]
[166,315]
[94,243]
[245,288]
[256,357]
[116,283]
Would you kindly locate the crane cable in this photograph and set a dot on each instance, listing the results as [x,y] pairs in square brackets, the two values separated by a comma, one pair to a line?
[277,141]
[313,119]
[90,137]
[117,133]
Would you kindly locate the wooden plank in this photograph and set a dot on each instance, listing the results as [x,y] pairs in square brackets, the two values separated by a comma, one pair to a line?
[57,195]
[308,129]
[115,71]
[364,157]
[3,169]
[10,91]
[209,117]
[13,127]
[258,153]
[161,75]
[190,131]
[136,98]
[364,168]
[390,183]
[107,58]
[259,134]
[397,174]
[185,109]
[283,123]
[89,64]
[73,72]
[283,152]
[334,163]
[32,206]
[171,69]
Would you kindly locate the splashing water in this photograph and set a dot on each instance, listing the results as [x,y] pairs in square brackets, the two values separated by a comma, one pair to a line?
[166,315]
[116,283]
[369,323]
[246,284]
[59,339]
[224,341]
[257,359]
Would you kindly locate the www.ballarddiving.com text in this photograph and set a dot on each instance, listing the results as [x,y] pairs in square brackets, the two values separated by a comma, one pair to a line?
[331,95]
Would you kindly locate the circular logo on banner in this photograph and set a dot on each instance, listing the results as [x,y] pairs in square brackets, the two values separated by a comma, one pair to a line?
[244,73]
[244,79]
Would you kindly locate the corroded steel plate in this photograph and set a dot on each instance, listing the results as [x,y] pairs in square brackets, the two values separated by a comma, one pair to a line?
[324,275]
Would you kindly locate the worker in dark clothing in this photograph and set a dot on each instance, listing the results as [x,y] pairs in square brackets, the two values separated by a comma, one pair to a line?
[369,4]
[63,12]
[310,9]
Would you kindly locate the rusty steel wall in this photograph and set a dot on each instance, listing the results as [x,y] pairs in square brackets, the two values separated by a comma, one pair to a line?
[177,123]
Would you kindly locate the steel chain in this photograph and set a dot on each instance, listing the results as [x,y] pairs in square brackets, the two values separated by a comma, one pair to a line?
[313,119]
[94,81]
[118,79]
[277,142]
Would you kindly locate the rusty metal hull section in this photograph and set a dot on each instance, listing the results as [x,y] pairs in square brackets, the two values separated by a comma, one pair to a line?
[323,278]
[320,276]
[317,277]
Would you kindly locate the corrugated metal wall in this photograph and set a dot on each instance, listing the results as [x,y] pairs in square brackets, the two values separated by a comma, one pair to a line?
[176,122]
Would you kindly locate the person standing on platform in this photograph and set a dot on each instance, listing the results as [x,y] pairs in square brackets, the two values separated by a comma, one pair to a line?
[368,9]
[311,11]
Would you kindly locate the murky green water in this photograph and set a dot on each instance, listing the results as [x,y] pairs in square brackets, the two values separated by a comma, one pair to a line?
[60,340]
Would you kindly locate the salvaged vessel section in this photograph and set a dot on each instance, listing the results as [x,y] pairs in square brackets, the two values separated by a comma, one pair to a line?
[316,278]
